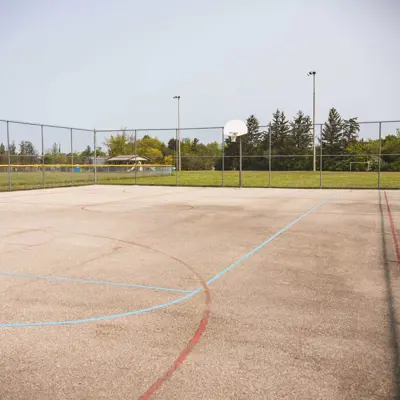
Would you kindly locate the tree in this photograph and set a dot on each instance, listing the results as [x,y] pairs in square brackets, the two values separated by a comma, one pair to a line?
[332,134]
[213,149]
[55,149]
[27,153]
[99,152]
[120,144]
[253,137]
[87,152]
[26,148]
[390,148]
[251,146]
[151,148]
[364,151]
[169,160]
[351,128]
[195,145]
[13,149]
[279,128]
[172,145]
[199,156]
[300,134]
[2,149]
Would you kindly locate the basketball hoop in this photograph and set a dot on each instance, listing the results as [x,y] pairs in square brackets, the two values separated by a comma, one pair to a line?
[234,129]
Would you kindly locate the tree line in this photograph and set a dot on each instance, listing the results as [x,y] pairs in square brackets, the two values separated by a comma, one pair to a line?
[291,147]
[194,155]
[291,144]
[26,153]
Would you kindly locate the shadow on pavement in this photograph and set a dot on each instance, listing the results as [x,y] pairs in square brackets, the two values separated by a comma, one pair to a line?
[391,308]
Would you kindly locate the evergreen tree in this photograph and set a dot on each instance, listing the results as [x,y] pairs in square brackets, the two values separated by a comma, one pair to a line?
[301,133]
[54,149]
[30,149]
[351,128]
[253,136]
[172,145]
[194,147]
[87,152]
[332,134]
[279,128]
[26,148]
[2,149]
[250,142]
[13,148]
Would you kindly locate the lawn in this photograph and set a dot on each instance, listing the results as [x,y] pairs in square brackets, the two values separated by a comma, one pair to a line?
[279,179]
[30,180]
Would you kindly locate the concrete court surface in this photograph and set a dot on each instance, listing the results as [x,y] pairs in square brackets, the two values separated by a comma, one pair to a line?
[112,292]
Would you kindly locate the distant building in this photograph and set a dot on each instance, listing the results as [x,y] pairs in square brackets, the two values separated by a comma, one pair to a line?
[99,160]
[127,159]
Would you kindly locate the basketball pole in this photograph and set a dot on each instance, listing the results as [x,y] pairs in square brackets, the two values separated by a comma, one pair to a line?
[240,161]
[42,138]
[235,129]
[95,156]
[179,133]
[9,156]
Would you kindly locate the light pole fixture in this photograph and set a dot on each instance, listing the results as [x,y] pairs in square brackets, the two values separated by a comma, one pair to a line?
[313,73]
[179,133]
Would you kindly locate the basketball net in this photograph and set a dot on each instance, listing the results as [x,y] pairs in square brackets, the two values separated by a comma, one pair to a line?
[233,136]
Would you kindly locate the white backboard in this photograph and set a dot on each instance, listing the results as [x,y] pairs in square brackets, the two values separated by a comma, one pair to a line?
[235,128]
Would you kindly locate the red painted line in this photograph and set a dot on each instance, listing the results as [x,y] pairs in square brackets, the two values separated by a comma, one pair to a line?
[394,233]
[186,351]
[197,335]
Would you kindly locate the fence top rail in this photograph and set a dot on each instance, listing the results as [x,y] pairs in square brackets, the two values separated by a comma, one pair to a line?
[44,125]
[159,129]
[163,129]
[221,127]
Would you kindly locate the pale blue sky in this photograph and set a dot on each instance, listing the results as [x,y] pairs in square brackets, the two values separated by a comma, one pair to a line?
[109,64]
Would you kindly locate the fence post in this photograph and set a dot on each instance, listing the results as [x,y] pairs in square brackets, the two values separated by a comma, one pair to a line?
[176,157]
[95,157]
[223,157]
[320,158]
[72,158]
[9,156]
[43,167]
[135,151]
[269,160]
[380,152]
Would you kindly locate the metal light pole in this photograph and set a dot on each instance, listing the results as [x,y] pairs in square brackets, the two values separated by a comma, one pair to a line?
[313,73]
[179,133]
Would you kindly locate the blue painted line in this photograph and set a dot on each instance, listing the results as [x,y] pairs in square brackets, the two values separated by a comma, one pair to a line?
[258,248]
[105,317]
[58,278]
[176,301]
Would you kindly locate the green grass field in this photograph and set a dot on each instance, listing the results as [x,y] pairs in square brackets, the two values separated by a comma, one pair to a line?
[31,180]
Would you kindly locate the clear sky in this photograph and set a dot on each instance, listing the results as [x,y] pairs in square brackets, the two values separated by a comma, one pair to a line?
[110,64]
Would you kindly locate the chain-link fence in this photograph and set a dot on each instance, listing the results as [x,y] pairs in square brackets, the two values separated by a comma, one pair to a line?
[36,156]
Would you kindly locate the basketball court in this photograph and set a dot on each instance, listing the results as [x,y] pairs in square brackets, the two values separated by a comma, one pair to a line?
[112,292]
